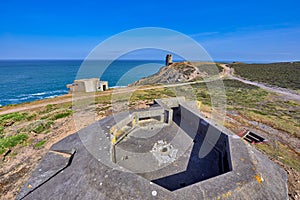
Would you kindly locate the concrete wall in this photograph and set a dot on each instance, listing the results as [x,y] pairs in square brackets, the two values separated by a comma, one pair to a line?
[88,85]
[208,135]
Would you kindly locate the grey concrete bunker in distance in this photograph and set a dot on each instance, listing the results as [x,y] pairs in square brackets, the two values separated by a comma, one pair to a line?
[88,85]
[159,151]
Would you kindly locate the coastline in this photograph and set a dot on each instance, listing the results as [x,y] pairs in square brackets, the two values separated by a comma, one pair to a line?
[46,121]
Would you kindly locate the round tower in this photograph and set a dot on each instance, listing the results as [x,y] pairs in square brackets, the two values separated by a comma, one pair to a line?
[169,59]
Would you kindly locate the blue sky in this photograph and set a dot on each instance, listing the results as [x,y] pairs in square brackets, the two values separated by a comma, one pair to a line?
[228,30]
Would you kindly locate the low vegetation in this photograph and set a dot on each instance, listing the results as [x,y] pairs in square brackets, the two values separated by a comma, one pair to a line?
[279,74]
[8,142]
[9,119]
[21,127]
[38,127]
[39,144]
[278,151]
[251,105]
[63,114]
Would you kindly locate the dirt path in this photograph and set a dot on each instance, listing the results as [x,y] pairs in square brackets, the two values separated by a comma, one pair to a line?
[229,72]
[19,108]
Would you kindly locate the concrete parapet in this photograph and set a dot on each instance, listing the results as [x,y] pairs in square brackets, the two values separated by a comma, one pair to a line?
[231,169]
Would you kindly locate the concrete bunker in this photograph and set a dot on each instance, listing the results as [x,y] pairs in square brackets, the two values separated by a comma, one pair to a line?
[88,85]
[233,169]
[152,132]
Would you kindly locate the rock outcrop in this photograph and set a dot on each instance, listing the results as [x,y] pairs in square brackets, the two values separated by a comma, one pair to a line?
[180,72]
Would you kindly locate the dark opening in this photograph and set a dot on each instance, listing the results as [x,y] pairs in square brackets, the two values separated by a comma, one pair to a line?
[215,163]
[253,138]
[147,118]
[165,149]
[144,118]
[104,87]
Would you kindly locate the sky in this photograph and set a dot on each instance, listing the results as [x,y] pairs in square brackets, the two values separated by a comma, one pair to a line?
[228,30]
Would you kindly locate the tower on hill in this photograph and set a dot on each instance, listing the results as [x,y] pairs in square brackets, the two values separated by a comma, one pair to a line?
[169,59]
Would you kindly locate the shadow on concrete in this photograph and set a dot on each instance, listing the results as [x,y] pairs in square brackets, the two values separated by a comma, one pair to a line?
[215,163]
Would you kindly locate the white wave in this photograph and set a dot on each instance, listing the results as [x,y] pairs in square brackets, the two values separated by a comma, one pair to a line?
[116,87]
[13,100]
[25,98]
[42,93]
[52,96]
[38,94]
[58,91]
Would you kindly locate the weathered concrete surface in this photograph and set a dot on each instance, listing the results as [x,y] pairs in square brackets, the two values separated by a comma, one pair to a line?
[87,85]
[52,164]
[252,175]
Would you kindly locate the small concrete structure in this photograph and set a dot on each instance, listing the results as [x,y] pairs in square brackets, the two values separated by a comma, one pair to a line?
[155,154]
[88,85]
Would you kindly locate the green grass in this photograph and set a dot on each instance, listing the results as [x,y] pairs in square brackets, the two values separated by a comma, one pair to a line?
[37,126]
[242,95]
[48,108]
[31,117]
[39,144]
[62,114]
[1,131]
[12,118]
[11,141]
[257,105]
[152,94]
[282,153]
[280,74]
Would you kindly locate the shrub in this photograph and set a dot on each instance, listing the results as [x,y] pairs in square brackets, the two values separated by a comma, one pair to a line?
[39,144]
[62,115]
[11,141]
[37,126]
[11,118]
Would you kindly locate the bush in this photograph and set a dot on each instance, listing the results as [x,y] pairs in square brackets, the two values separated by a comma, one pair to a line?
[11,118]
[11,141]
[62,115]
[1,131]
[39,144]
[31,117]
[37,126]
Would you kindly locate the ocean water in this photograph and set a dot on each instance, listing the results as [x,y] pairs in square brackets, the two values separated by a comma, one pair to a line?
[29,80]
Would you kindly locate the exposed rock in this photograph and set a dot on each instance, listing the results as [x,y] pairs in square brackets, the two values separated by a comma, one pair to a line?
[180,72]
[174,73]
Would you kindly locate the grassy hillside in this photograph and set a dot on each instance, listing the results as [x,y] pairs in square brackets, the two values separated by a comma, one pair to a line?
[286,75]
[26,135]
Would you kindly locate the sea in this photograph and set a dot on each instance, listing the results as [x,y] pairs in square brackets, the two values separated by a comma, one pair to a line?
[29,80]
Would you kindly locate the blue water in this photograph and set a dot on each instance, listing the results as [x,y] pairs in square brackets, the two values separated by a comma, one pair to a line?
[29,80]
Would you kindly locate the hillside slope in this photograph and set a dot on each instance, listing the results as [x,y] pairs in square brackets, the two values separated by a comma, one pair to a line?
[181,72]
[285,74]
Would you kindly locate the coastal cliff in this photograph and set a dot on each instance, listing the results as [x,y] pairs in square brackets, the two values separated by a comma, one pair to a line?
[180,72]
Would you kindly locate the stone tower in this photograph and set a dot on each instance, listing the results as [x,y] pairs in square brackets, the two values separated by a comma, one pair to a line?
[169,59]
